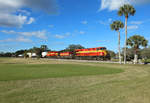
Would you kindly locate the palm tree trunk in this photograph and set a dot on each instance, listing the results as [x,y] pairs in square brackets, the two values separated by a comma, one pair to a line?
[119,47]
[135,56]
[125,46]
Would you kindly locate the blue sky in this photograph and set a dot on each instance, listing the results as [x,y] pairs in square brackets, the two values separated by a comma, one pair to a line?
[58,23]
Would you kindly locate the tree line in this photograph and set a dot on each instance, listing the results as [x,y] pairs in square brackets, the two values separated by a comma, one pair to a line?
[23,52]
[143,53]
[39,50]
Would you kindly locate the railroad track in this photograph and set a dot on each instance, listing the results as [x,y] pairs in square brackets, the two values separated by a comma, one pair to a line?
[94,61]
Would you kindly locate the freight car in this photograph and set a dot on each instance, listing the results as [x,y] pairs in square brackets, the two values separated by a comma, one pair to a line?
[66,55]
[99,53]
[52,54]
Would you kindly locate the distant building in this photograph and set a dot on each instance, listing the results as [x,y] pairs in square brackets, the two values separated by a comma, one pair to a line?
[20,55]
[30,55]
[34,55]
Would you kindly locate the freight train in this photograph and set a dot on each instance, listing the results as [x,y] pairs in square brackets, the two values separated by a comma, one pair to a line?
[99,53]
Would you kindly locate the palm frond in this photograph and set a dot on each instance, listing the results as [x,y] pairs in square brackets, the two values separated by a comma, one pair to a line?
[136,41]
[116,25]
[126,10]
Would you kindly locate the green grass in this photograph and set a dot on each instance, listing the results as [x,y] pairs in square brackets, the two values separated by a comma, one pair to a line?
[37,71]
[147,60]
[48,81]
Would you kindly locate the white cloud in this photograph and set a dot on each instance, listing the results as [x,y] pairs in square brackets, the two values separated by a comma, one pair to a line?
[31,20]
[8,20]
[139,22]
[38,34]
[8,32]
[112,4]
[59,36]
[84,22]
[133,27]
[102,41]
[20,11]
[110,20]
[48,6]
[22,39]
[7,40]
[12,14]
[82,32]
[136,22]
[51,26]
[19,39]
[107,22]
[62,36]
[115,4]
[67,34]
[102,22]
[141,2]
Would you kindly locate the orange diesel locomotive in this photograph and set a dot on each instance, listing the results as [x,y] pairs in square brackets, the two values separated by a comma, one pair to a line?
[99,53]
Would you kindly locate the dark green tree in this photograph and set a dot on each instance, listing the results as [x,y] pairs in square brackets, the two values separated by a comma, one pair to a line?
[136,42]
[19,52]
[126,10]
[8,54]
[44,48]
[38,51]
[145,53]
[129,54]
[117,25]
[72,47]
[111,53]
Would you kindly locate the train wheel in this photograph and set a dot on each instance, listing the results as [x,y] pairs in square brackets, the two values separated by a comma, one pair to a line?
[98,59]
[78,58]
[94,58]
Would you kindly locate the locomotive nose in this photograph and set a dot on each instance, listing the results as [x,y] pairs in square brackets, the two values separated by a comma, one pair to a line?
[105,53]
[102,53]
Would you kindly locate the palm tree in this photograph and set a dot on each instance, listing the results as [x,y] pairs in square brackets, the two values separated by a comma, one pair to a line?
[135,42]
[126,10]
[116,25]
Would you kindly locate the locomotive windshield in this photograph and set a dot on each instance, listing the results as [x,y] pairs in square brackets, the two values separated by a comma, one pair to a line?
[101,48]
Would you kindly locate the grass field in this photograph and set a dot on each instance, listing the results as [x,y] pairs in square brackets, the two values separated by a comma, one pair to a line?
[38,71]
[47,81]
